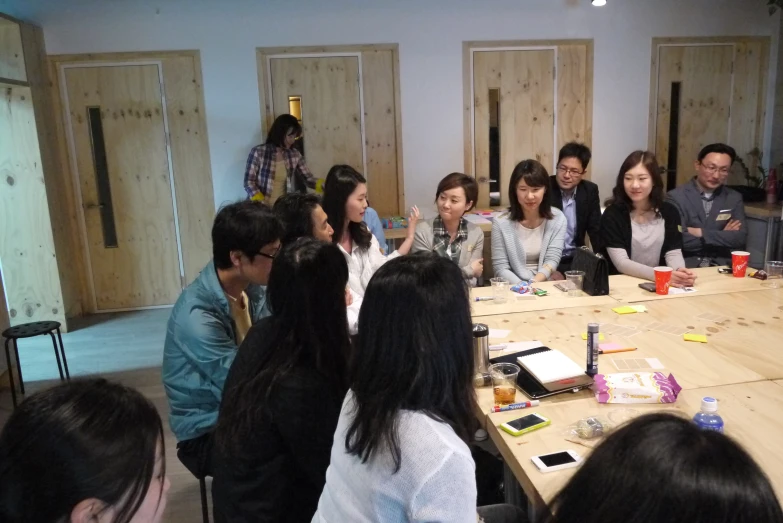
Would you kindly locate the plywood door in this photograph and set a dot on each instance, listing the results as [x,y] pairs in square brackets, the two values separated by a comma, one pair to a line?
[143,269]
[526,83]
[331,118]
[704,74]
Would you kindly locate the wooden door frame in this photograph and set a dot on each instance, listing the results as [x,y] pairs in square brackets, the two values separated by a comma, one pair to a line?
[75,173]
[263,56]
[192,251]
[659,42]
[470,47]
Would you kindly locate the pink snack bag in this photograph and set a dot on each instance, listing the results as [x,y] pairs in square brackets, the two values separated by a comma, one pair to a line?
[636,387]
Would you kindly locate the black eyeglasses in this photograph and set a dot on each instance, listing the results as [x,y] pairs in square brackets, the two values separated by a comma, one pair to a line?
[270,256]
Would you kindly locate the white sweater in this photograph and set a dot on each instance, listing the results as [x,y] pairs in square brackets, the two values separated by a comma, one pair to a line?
[362,264]
[436,481]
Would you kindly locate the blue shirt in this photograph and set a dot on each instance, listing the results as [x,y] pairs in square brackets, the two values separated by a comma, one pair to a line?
[374,223]
[569,209]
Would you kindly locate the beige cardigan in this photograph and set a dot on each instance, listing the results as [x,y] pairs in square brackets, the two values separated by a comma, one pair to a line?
[472,248]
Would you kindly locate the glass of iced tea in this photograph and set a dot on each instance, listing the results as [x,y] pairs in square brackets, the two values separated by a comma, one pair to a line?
[504,380]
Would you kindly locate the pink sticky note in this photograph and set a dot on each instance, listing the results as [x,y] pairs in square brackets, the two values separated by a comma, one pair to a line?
[610,346]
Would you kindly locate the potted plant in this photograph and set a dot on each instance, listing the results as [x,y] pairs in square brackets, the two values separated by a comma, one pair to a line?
[774,5]
[755,186]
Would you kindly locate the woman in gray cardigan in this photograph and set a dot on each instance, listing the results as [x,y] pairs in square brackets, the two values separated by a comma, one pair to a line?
[527,241]
[450,235]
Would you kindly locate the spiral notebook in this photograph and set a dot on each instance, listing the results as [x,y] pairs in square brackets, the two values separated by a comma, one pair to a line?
[530,385]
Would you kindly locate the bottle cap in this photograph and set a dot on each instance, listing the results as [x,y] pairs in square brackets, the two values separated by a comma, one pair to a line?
[592,327]
[709,404]
[480,330]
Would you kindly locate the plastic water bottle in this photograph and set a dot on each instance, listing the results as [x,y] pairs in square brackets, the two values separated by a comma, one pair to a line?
[708,418]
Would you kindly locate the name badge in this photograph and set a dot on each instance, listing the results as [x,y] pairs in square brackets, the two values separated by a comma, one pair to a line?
[470,248]
[723,217]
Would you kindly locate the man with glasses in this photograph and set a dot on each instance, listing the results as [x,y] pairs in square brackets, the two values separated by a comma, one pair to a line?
[578,199]
[210,321]
[712,215]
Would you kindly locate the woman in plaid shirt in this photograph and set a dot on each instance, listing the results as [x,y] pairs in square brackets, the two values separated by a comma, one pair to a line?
[275,168]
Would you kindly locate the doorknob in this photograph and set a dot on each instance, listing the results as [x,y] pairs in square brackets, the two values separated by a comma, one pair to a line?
[93,206]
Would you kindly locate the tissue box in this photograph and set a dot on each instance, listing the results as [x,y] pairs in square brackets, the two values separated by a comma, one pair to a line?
[636,387]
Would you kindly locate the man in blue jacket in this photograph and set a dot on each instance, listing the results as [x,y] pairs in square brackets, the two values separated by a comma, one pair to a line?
[210,320]
[712,215]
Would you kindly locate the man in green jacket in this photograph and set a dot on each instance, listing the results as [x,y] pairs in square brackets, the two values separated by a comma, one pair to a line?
[210,320]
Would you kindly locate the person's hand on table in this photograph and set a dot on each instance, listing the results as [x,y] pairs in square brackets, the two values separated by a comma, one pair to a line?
[683,278]
[695,231]
[733,225]
[478,267]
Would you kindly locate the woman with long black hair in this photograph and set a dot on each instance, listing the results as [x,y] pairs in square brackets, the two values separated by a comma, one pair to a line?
[400,450]
[283,393]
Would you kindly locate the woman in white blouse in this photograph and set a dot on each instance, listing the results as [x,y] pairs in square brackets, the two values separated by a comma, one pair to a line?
[345,201]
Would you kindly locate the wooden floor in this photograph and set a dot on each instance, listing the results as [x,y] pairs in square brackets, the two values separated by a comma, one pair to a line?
[127,348]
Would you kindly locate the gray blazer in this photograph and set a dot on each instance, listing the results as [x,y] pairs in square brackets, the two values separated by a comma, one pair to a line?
[715,243]
[508,254]
[472,248]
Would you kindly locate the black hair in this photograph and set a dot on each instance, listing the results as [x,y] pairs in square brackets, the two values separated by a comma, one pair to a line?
[244,226]
[720,148]
[340,183]
[87,438]
[280,128]
[413,352]
[576,150]
[648,161]
[467,183]
[535,175]
[309,328]
[662,467]
[295,210]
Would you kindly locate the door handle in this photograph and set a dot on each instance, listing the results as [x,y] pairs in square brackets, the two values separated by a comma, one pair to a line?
[93,206]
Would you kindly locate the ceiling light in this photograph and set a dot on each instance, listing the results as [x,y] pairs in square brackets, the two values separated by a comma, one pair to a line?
[599,3]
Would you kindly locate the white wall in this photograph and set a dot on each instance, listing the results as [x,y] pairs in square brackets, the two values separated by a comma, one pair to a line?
[430,34]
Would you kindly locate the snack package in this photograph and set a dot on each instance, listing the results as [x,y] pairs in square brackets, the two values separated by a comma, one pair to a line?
[636,387]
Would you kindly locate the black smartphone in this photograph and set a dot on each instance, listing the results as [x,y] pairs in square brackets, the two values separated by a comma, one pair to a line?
[725,270]
[649,286]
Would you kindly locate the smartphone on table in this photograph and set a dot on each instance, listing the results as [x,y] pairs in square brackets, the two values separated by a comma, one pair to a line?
[649,286]
[557,461]
[525,424]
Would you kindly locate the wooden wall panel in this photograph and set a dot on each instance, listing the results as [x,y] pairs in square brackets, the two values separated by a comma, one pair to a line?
[670,61]
[380,131]
[12,64]
[705,102]
[746,101]
[58,189]
[190,158]
[486,75]
[27,256]
[5,322]
[572,86]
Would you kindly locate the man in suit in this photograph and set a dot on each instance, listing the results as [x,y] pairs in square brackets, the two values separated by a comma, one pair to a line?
[712,215]
[577,198]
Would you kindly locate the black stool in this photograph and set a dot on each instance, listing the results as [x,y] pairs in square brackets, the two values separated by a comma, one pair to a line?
[28,330]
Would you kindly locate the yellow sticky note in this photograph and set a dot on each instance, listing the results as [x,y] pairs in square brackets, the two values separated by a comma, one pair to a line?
[701,338]
[625,310]
[639,308]
[600,336]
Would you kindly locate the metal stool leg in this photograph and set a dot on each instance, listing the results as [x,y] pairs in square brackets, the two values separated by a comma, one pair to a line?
[204,504]
[10,372]
[18,366]
[62,351]
[57,355]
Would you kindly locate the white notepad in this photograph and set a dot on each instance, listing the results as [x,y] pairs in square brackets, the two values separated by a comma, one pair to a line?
[550,366]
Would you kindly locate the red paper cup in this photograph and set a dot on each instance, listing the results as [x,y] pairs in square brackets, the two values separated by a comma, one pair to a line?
[739,263]
[663,277]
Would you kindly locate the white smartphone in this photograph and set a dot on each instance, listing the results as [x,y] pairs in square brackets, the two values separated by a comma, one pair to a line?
[557,461]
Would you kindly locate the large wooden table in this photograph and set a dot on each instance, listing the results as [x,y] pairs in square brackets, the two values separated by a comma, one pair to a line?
[741,365]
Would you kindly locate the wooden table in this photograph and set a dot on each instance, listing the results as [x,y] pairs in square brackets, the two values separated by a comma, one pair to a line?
[708,281]
[555,299]
[749,410]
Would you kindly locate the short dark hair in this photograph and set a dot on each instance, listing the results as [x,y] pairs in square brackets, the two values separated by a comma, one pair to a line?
[662,467]
[83,439]
[309,329]
[280,128]
[244,226]
[535,175]
[648,161]
[576,150]
[454,180]
[295,210]
[340,183]
[414,352]
[720,148]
